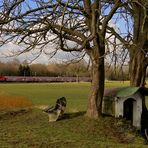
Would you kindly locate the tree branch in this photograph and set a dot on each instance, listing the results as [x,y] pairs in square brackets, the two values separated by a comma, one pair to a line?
[109,16]
[117,35]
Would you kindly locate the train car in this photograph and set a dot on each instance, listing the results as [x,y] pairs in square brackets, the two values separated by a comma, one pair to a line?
[3,79]
[43,79]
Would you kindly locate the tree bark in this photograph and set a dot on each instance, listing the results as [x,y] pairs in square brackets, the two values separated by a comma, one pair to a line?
[94,107]
[138,62]
[137,69]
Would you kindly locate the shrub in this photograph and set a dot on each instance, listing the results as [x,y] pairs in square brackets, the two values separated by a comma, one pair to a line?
[10,101]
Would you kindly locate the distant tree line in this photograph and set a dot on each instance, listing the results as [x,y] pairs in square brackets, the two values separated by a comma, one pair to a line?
[16,68]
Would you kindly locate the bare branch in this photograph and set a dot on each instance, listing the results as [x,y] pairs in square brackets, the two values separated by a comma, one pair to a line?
[109,16]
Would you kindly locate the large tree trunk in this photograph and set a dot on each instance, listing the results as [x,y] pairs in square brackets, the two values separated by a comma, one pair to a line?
[137,69]
[94,107]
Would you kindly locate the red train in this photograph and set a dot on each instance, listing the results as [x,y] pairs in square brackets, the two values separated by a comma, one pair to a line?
[3,78]
[43,79]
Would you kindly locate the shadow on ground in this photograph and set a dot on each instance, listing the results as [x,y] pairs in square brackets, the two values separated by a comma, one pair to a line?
[72,115]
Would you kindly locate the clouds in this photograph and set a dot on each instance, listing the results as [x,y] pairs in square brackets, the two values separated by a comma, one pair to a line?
[10,51]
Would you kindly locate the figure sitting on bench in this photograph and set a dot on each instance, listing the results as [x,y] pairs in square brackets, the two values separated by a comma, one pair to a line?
[56,112]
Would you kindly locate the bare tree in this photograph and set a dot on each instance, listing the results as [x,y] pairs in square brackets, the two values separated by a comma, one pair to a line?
[139,48]
[135,38]
[72,25]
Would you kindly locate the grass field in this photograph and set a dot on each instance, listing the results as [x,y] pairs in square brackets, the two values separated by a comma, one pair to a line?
[47,93]
[29,128]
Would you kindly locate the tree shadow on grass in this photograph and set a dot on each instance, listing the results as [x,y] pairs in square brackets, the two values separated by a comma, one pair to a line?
[72,115]
[7,113]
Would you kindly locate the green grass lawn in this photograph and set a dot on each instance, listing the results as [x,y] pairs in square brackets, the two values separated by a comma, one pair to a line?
[30,128]
[47,93]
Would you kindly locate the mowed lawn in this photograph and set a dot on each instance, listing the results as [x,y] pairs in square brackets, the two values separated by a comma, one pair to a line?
[29,128]
[47,93]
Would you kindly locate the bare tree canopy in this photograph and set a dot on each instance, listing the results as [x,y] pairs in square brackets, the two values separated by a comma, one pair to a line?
[134,37]
[136,40]
[139,48]
[34,22]
[72,25]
